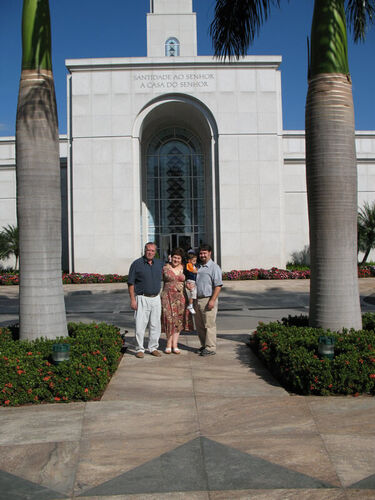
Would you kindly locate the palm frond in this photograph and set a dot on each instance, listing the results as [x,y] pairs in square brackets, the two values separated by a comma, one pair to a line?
[236,23]
[366,227]
[9,242]
[360,14]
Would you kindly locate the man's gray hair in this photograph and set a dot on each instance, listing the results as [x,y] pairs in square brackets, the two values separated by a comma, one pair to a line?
[151,243]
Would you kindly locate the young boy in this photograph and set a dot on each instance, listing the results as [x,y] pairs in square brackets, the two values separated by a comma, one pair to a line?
[191,276]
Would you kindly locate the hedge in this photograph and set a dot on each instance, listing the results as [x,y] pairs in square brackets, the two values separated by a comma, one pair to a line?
[291,354]
[28,374]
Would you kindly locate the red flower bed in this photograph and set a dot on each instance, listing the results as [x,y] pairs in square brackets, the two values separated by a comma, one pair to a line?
[29,376]
[250,274]
[284,274]
[9,279]
[72,278]
[81,278]
[264,274]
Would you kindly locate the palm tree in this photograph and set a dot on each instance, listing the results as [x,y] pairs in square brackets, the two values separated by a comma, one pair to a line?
[42,309]
[366,229]
[331,170]
[9,244]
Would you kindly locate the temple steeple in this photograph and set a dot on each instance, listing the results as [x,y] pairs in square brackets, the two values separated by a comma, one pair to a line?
[171,29]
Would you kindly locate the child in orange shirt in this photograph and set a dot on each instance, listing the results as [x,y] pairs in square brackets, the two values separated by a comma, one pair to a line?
[191,276]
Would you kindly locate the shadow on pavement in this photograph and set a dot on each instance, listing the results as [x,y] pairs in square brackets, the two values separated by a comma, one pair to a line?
[246,357]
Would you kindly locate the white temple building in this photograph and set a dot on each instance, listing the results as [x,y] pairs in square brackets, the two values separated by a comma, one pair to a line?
[179,149]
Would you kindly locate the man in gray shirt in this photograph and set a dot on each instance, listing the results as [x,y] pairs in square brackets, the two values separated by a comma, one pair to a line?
[208,283]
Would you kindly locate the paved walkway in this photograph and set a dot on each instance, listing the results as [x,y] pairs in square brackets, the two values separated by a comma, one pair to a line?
[187,427]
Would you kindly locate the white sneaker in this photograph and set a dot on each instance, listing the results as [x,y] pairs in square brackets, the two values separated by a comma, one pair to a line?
[190,308]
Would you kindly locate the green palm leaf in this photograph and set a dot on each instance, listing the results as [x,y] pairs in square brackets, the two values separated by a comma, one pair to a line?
[9,244]
[366,229]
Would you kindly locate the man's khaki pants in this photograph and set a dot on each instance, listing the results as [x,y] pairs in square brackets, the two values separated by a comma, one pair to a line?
[148,313]
[206,323]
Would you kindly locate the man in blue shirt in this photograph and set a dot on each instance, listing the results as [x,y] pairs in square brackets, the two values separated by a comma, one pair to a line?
[144,283]
[209,283]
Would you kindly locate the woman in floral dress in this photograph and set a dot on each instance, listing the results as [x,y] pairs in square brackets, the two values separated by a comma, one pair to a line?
[173,301]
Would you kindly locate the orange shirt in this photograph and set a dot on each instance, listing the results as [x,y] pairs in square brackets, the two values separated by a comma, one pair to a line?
[190,267]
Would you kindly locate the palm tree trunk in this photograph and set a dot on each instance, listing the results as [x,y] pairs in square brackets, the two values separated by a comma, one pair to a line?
[42,309]
[331,170]
[331,174]
[366,255]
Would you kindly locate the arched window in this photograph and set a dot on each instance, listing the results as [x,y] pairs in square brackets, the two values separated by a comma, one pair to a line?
[172,47]
[175,190]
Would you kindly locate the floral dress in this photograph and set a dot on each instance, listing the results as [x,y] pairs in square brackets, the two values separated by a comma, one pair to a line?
[174,317]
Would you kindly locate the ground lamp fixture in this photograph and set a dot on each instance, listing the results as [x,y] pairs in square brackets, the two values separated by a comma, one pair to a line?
[326,347]
[60,352]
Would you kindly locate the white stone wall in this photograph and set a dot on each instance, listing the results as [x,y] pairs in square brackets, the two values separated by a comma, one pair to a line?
[171,19]
[107,103]
[167,6]
[260,176]
[8,206]
[296,216]
[8,211]
[7,182]
[106,229]
[365,147]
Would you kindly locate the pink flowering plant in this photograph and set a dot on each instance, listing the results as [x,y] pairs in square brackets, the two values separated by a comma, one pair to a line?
[264,274]
[82,278]
[291,354]
[72,278]
[251,274]
[29,376]
[285,274]
[9,279]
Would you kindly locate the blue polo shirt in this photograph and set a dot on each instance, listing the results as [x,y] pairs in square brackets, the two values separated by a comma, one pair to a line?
[146,278]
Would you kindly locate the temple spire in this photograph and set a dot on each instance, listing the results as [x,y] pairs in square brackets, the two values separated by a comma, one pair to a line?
[171,29]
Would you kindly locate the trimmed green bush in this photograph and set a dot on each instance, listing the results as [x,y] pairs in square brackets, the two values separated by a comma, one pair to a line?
[291,354]
[301,320]
[368,321]
[28,375]
[297,267]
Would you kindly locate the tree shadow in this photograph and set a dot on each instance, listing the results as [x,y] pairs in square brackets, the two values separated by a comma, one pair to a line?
[246,357]
[36,110]
[274,297]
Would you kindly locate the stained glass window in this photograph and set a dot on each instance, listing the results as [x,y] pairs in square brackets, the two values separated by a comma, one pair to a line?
[172,47]
[175,189]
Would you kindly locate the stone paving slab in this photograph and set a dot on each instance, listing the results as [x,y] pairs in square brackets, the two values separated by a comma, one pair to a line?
[141,441]
[242,304]
[187,427]
[44,423]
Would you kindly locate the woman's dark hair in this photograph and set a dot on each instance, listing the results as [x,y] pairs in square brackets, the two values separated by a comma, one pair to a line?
[178,251]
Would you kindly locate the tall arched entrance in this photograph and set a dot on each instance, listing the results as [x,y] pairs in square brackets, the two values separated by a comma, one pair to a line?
[178,202]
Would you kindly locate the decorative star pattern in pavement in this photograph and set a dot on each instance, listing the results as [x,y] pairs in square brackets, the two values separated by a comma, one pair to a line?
[199,465]
[205,465]
[15,488]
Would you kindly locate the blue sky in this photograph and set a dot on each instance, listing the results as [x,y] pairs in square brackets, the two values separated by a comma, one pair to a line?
[117,28]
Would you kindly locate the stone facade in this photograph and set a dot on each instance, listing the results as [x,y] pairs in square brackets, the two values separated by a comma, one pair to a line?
[231,176]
